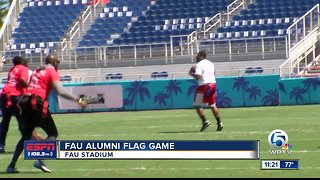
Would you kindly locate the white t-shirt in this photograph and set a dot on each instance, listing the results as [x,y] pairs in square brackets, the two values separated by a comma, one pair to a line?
[205,69]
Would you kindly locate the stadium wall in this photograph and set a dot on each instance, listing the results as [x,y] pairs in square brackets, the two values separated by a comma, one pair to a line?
[246,91]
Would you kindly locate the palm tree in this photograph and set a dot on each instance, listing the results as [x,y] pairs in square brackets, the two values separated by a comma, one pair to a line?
[282,88]
[253,91]
[297,93]
[137,88]
[192,87]
[222,99]
[4,5]
[311,83]
[272,98]
[126,102]
[173,88]
[160,98]
[241,84]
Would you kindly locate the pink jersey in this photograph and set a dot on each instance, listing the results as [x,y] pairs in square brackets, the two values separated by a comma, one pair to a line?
[13,87]
[41,81]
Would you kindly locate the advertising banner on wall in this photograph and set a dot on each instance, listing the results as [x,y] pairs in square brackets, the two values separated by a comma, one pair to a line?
[109,96]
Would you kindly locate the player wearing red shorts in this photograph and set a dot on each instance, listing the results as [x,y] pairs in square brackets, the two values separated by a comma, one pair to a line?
[205,94]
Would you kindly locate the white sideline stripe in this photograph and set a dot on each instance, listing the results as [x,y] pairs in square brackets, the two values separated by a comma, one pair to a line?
[162,169]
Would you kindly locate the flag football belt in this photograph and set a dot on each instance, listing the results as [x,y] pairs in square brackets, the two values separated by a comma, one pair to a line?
[8,98]
[9,103]
[34,104]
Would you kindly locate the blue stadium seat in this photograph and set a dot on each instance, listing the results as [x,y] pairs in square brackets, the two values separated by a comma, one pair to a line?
[250,70]
[259,69]
[154,74]
[116,76]
[108,76]
[163,74]
[4,80]
[66,78]
[37,22]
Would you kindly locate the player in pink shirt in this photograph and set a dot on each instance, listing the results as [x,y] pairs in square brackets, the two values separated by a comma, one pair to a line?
[11,94]
[205,94]
[34,106]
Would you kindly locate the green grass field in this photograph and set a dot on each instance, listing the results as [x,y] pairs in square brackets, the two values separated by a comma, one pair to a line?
[301,123]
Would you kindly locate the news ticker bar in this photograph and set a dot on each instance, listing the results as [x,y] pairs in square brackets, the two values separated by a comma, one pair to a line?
[141,149]
[281,164]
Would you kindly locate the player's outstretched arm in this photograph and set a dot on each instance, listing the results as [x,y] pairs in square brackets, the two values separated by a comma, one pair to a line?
[64,93]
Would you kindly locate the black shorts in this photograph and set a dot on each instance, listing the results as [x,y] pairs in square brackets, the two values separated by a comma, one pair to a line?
[32,117]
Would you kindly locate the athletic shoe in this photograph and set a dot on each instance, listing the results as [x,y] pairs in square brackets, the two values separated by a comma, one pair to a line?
[205,125]
[11,169]
[42,166]
[219,127]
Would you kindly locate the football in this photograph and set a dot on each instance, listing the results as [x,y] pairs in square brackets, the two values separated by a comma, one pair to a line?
[192,70]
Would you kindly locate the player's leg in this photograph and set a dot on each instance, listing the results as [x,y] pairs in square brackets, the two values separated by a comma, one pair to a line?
[17,112]
[211,99]
[205,122]
[4,125]
[27,133]
[216,114]
[27,125]
[49,127]
[197,104]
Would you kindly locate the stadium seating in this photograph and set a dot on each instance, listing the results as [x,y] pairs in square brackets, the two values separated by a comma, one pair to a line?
[154,75]
[108,76]
[163,74]
[250,70]
[66,78]
[117,76]
[155,25]
[4,80]
[112,22]
[43,23]
[264,18]
[259,70]
[114,76]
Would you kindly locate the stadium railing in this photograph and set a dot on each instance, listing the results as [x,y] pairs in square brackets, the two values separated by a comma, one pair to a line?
[9,23]
[149,53]
[302,43]
[103,77]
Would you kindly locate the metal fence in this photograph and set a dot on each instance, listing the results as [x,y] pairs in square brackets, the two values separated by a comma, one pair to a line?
[303,42]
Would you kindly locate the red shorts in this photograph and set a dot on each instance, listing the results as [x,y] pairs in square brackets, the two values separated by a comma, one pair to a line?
[205,95]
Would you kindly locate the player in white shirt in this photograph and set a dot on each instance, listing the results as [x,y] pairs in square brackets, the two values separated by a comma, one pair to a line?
[205,94]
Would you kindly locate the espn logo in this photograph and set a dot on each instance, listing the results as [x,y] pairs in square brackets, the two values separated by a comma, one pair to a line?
[41,147]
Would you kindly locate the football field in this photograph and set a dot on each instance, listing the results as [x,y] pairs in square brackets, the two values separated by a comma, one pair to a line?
[301,123]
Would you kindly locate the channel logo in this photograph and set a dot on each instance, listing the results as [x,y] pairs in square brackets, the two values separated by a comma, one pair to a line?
[278,140]
[40,149]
